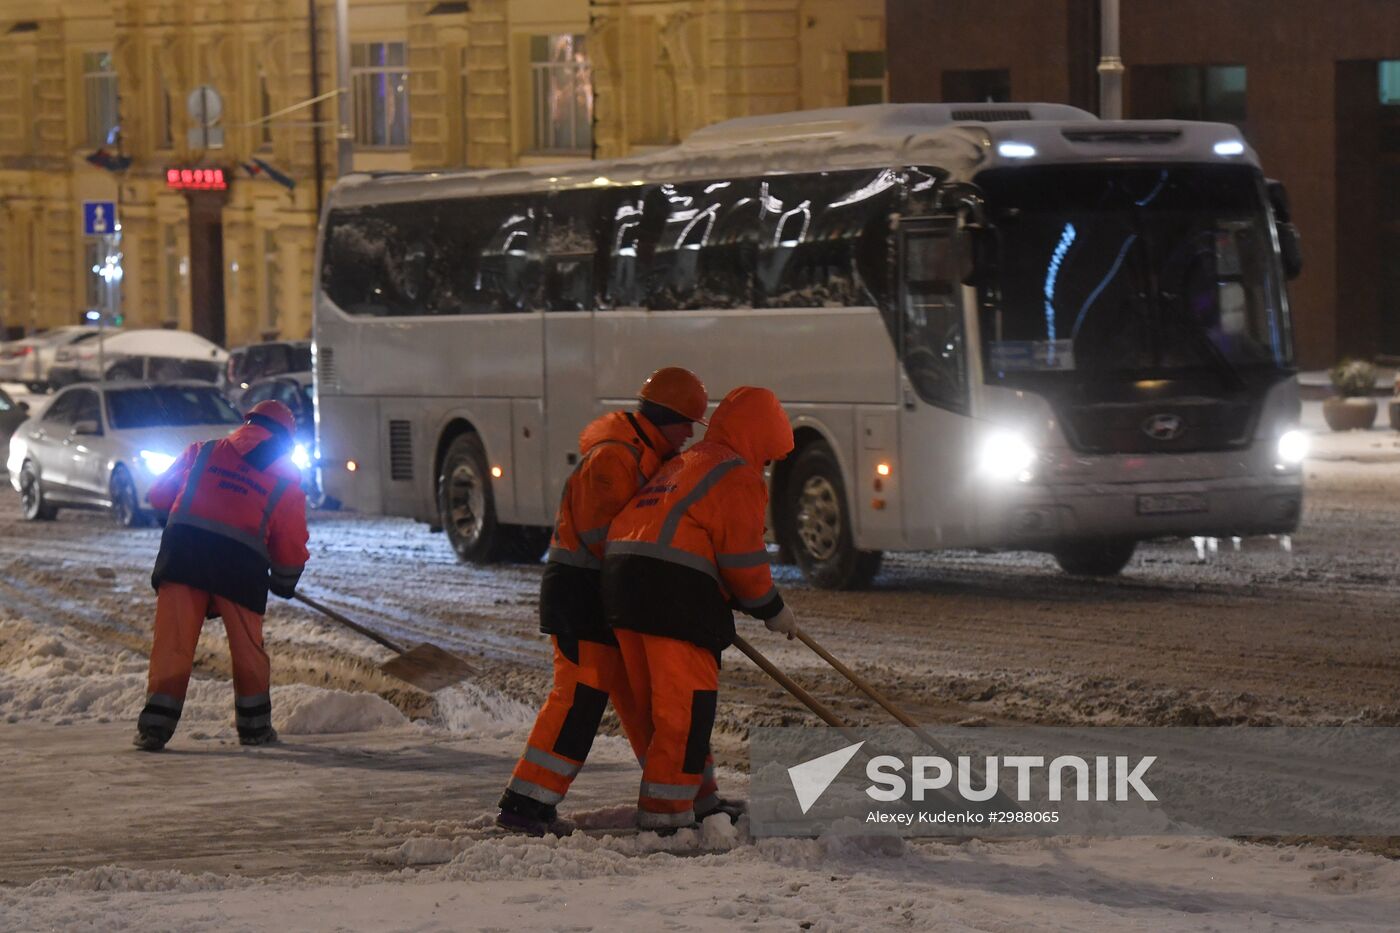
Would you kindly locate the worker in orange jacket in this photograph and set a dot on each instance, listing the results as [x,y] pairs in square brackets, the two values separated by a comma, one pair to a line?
[619,452]
[679,556]
[236,529]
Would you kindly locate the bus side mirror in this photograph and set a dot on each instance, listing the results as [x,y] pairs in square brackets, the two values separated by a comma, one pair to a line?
[1289,242]
[1279,201]
[978,254]
[1290,247]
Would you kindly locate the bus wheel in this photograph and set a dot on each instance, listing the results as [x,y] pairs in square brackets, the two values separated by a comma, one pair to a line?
[466,507]
[817,524]
[1095,558]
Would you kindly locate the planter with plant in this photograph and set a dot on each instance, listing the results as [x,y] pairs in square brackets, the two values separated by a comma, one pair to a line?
[1395,405]
[1352,408]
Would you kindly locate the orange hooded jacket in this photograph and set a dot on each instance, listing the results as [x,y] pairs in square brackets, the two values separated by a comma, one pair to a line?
[237,521]
[691,543]
[620,450]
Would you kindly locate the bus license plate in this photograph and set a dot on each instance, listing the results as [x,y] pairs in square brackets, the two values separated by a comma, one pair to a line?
[1171,503]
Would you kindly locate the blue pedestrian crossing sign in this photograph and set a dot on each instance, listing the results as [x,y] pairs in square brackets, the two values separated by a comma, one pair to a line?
[99,218]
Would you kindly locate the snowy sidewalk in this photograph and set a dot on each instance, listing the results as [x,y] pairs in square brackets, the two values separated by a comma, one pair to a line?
[1380,444]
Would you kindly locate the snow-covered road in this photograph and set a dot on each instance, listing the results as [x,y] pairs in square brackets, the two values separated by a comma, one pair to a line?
[369,815]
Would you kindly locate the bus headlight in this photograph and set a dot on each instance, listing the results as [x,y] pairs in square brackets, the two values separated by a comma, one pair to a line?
[301,458]
[156,462]
[1007,456]
[1292,447]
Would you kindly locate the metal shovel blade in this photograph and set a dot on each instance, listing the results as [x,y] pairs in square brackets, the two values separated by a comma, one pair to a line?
[428,667]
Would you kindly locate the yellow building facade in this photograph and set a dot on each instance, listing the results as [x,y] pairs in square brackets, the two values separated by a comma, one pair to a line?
[101,99]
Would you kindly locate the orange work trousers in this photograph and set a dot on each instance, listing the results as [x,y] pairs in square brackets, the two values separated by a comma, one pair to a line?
[587,674]
[675,685]
[180,614]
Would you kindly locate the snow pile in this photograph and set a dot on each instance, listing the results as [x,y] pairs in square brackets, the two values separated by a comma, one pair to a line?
[472,710]
[63,678]
[114,878]
[303,710]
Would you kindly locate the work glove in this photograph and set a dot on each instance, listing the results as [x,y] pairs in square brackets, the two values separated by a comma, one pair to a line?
[284,582]
[784,623]
[283,590]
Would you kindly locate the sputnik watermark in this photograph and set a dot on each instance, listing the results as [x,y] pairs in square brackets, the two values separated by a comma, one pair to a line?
[1115,777]
[1084,781]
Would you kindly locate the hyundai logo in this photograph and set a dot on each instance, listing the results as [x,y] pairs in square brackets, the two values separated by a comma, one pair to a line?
[1163,427]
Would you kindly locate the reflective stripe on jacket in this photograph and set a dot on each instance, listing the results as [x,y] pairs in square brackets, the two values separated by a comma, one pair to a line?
[619,451]
[703,513]
[237,518]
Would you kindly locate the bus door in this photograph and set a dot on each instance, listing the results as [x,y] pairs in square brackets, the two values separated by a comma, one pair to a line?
[571,263]
[935,428]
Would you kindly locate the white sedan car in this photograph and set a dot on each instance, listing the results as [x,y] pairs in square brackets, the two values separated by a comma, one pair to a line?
[103,446]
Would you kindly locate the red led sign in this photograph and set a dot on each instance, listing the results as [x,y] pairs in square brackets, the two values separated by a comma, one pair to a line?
[196,179]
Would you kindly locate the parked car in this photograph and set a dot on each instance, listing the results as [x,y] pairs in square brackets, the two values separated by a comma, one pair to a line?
[29,359]
[102,446]
[148,355]
[247,365]
[12,415]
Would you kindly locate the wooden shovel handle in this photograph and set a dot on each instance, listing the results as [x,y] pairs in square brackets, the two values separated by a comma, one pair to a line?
[791,686]
[331,613]
[864,686]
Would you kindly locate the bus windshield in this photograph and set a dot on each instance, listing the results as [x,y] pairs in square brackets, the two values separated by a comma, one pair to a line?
[1132,271]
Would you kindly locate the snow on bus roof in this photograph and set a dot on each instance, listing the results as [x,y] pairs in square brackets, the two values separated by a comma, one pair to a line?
[872,121]
[963,138]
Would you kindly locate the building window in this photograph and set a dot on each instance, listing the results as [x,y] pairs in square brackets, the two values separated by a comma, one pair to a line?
[464,89]
[1390,83]
[165,119]
[264,111]
[272,316]
[100,94]
[174,274]
[865,78]
[1207,92]
[562,82]
[980,86]
[380,83]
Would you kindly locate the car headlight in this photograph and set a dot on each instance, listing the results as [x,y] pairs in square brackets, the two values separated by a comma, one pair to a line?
[301,458]
[1292,447]
[1007,456]
[156,461]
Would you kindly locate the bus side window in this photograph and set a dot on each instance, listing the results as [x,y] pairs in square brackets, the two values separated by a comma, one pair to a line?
[509,274]
[931,317]
[729,260]
[700,260]
[632,230]
[355,263]
[810,229]
[571,250]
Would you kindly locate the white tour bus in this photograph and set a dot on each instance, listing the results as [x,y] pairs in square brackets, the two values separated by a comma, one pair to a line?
[993,325]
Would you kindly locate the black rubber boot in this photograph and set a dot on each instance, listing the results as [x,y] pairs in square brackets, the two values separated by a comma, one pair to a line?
[730,808]
[149,741]
[521,814]
[266,737]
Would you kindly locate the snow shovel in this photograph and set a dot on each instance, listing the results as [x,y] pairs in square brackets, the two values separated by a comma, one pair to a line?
[904,719]
[425,666]
[1000,800]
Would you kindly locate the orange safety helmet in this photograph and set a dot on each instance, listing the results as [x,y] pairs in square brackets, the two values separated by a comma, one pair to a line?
[275,412]
[677,389]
